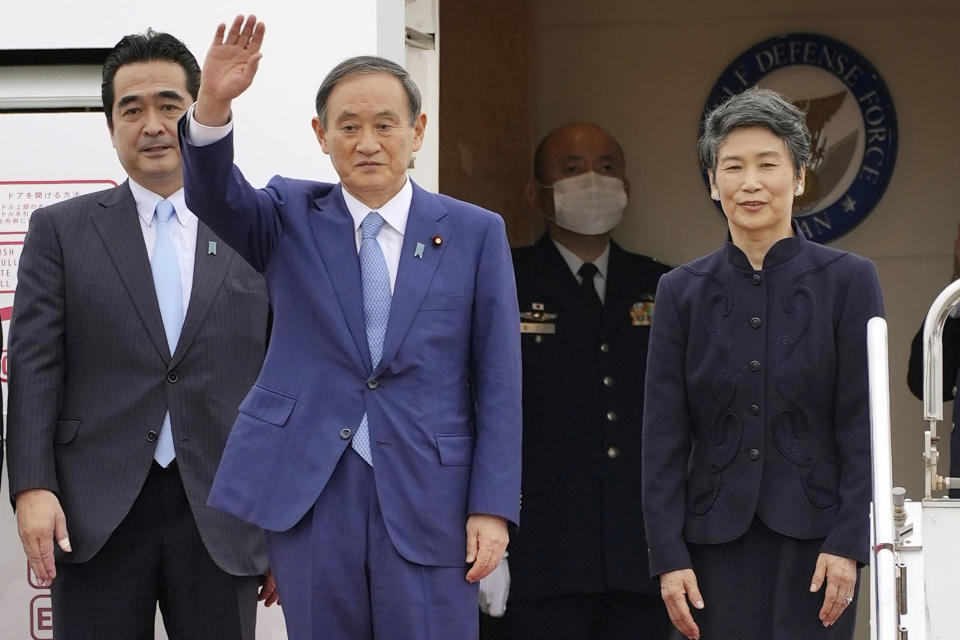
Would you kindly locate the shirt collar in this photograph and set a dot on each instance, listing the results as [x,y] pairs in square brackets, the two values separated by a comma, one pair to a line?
[574,262]
[147,203]
[394,212]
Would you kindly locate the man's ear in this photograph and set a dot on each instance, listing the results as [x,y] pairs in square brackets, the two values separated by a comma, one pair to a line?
[531,191]
[321,133]
[419,125]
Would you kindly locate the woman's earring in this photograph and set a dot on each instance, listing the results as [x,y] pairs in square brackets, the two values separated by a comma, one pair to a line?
[799,191]
[715,195]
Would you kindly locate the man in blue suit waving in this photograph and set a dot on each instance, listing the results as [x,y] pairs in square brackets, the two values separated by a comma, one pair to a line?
[380,446]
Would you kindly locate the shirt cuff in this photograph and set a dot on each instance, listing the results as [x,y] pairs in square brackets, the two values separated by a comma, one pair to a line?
[200,135]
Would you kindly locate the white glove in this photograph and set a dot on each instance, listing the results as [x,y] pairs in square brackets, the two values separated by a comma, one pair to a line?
[494,590]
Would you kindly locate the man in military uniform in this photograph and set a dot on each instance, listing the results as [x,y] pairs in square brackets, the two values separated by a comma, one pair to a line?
[579,562]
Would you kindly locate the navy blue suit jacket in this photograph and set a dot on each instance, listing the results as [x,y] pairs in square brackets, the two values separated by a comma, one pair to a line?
[443,404]
[757,401]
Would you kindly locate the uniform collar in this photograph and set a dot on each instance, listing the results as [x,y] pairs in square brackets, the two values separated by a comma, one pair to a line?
[573,261]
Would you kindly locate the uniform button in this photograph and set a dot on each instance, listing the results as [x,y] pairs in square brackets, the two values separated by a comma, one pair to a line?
[538,339]
[611,416]
[345,434]
[173,377]
[613,452]
[755,322]
[604,347]
[754,409]
[754,365]
[373,384]
[152,436]
[757,278]
[607,381]
[754,454]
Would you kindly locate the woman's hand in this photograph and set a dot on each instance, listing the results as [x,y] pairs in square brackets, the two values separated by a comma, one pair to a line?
[676,587]
[841,576]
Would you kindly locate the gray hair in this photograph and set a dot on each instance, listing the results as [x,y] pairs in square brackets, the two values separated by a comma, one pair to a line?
[756,107]
[363,65]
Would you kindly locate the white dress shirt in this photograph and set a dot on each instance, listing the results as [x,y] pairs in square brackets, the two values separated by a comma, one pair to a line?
[183,234]
[601,262]
[394,212]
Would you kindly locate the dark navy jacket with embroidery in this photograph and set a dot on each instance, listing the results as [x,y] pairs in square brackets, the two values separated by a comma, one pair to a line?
[756,401]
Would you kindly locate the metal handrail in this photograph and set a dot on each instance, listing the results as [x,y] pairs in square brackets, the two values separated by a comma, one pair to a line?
[884,588]
[933,384]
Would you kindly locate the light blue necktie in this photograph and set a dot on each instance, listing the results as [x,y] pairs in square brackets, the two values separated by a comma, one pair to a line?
[376,309]
[166,280]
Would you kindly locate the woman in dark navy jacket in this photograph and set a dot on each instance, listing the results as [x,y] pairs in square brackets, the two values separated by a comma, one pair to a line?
[756,437]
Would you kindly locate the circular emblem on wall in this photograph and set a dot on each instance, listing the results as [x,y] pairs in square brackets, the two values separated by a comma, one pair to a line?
[850,116]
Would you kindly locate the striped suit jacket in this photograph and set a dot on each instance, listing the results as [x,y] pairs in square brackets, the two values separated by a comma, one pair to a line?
[91,375]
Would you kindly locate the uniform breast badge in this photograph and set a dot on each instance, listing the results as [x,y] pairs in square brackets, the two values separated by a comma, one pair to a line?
[641,312]
[538,320]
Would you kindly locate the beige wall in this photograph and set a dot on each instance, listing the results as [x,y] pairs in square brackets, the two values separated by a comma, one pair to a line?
[643,70]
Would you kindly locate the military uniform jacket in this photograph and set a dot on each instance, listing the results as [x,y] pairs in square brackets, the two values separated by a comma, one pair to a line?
[582,526]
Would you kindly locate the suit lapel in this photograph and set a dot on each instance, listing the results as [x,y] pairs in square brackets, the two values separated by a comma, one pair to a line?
[553,276]
[119,229]
[427,219]
[336,238]
[208,273]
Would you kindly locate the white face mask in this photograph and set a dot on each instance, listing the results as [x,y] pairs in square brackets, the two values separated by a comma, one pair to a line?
[588,204]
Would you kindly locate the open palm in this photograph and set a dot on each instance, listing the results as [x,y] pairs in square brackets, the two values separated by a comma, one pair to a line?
[232,61]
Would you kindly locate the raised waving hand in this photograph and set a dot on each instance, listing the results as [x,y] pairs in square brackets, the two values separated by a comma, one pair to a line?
[228,69]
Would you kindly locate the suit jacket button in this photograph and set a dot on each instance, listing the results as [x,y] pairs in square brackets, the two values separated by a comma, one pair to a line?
[152,436]
[608,381]
[345,434]
[754,365]
[173,377]
[755,322]
[757,278]
[605,347]
[611,416]
[754,409]
[613,452]
[373,384]
[754,454]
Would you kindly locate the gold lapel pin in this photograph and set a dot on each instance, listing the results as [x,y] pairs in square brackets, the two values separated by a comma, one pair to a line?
[437,241]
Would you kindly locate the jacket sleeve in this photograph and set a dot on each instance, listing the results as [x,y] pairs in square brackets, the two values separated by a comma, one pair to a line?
[862,300]
[666,436]
[36,360]
[495,368]
[248,219]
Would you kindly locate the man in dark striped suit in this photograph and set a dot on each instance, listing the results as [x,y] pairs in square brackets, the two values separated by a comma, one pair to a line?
[135,335]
